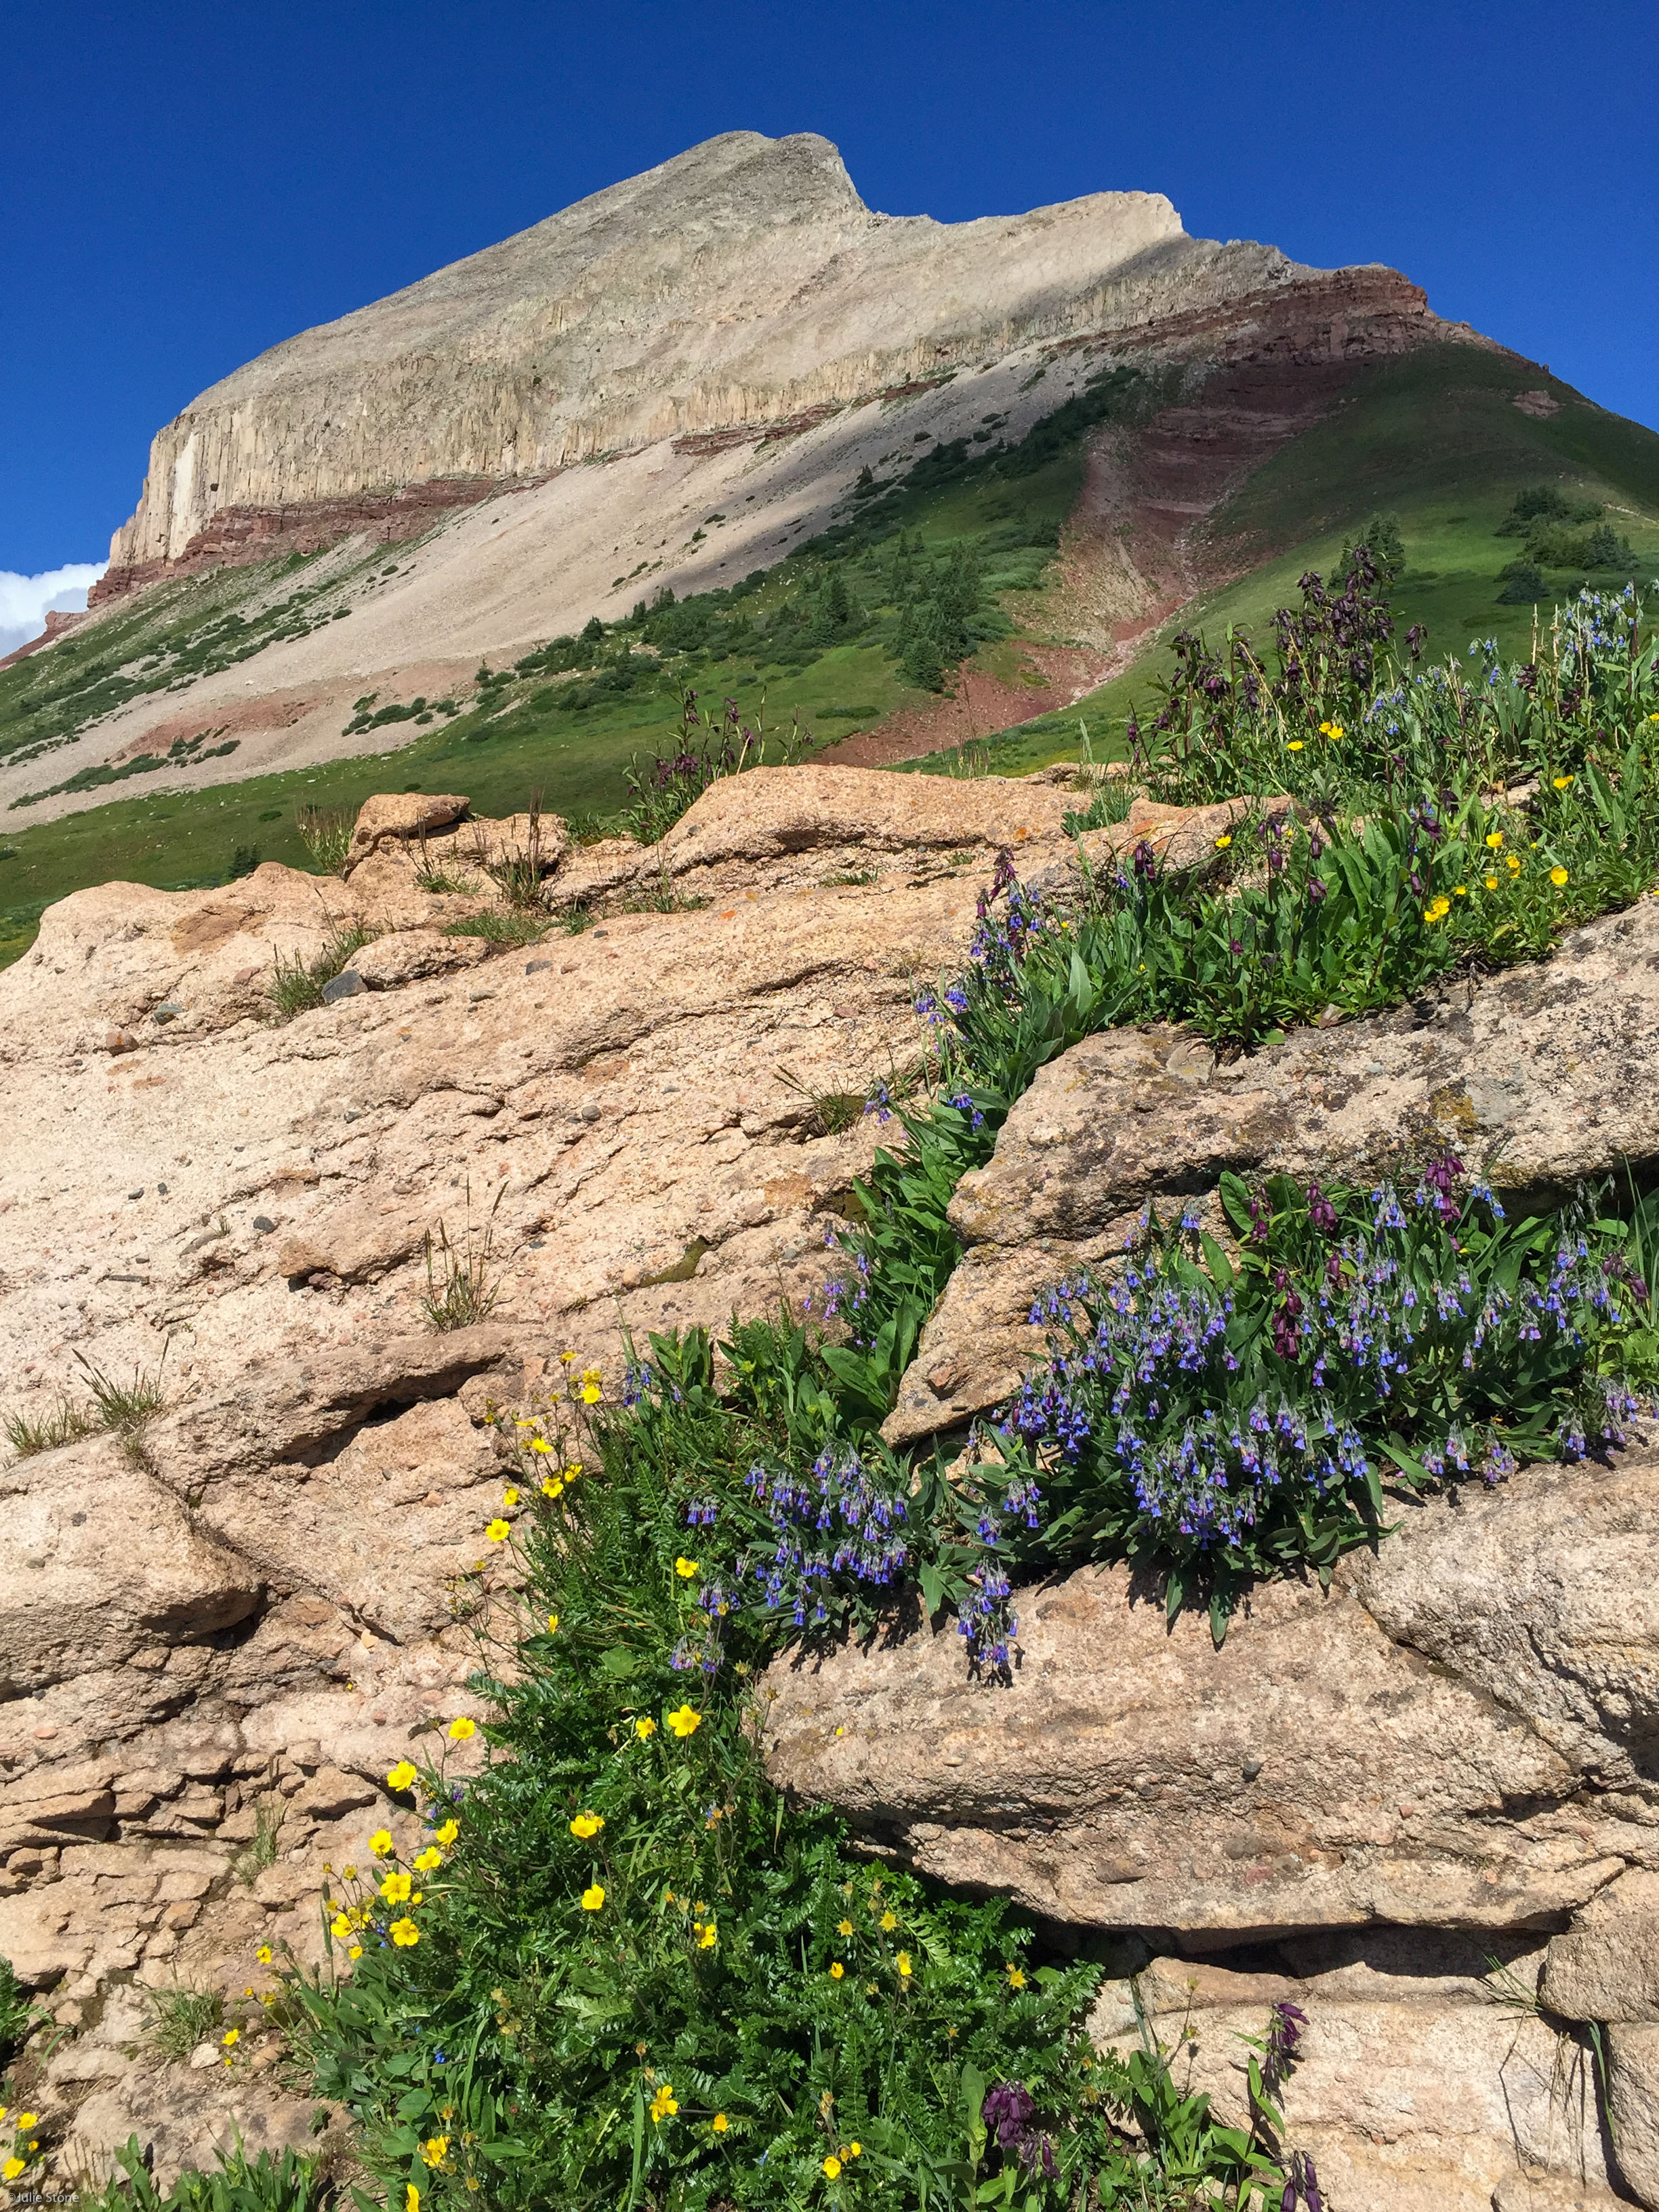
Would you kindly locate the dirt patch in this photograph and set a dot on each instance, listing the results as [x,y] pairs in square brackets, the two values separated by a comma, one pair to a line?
[980,705]
[230,719]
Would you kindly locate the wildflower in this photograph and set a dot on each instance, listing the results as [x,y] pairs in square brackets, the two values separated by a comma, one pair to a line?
[1294,746]
[353,1951]
[685,1568]
[499,1531]
[411,2198]
[844,1928]
[1491,883]
[381,1843]
[405,1934]
[263,1954]
[593,1897]
[12,2168]
[395,1888]
[586,1824]
[836,1970]
[1222,843]
[664,2105]
[1558,877]
[903,1965]
[551,1486]
[591,1394]
[461,1729]
[1494,838]
[436,2150]
[540,1444]
[1460,891]
[429,1860]
[832,2167]
[889,1922]
[1566,782]
[684,1721]
[509,1498]
[231,2037]
[566,1357]
[340,1926]
[1511,861]
[552,1623]
[707,1936]
[719,2123]
[1334,730]
[855,2150]
[1016,1979]
[400,1776]
[1437,910]
[447,1833]
[645,1727]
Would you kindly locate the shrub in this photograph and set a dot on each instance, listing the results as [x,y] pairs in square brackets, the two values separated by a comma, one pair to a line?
[325,833]
[289,2183]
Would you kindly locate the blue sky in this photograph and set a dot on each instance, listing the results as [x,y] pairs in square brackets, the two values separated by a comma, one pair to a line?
[181,187]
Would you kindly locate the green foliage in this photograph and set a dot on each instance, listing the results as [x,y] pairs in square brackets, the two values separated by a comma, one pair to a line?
[182,2019]
[18,2017]
[124,1409]
[460,1291]
[296,985]
[285,2184]
[325,834]
[518,926]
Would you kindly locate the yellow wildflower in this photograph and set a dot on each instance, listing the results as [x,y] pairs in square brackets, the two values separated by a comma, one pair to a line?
[836,1970]
[1295,746]
[1491,883]
[1564,783]
[340,1926]
[719,2123]
[644,1726]
[844,1928]
[586,1824]
[430,1860]
[462,1730]
[684,1721]
[573,1470]
[1332,730]
[685,1568]
[353,1951]
[395,1888]
[436,2150]
[231,2037]
[832,2167]
[1558,877]
[499,1531]
[540,1444]
[447,1833]
[566,1357]
[411,2198]
[707,1936]
[1512,862]
[1222,843]
[889,1922]
[405,1934]
[664,2105]
[400,1776]
[552,1623]
[1460,891]
[1016,1979]
[510,1499]
[551,1486]
[1437,910]
[593,1897]
[855,2150]
[903,1963]
[1494,838]
[26,2120]
[591,1394]
[263,1954]
[381,1843]
[12,2168]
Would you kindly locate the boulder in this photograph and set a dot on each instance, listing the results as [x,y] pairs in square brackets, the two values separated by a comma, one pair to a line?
[400,817]
[405,955]
[1391,1751]
[1606,1965]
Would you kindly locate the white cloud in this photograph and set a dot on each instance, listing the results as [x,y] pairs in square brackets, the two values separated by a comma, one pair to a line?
[26,601]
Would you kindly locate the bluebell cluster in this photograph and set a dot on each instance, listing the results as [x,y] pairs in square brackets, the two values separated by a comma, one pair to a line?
[986,1620]
[845,1523]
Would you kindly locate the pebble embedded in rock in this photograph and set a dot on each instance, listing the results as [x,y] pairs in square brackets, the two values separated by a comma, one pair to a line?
[167,1011]
[263,1224]
[347,984]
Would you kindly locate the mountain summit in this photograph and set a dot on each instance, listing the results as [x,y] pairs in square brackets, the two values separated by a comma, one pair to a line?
[743,283]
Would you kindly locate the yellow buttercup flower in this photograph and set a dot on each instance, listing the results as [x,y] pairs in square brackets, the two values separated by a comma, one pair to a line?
[499,1531]
[1565,782]
[400,1776]
[1295,746]
[263,1954]
[552,1623]
[430,1860]
[889,1922]
[591,1394]
[340,1927]
[566,1357]
[664,2105]
[436,2150]
[405,1934]
[509,1498]
[355,1951]
[855,2150]
[395,1888]
[1558,877]
[832,2167]
[12,2168]
[593,1897]
[26,2120]
[903,1964]
[461,1730]
[1332,730]
[551,1486]
[447,1833]
[381,1843]
[1222,843]
[1512,862]
[719,2123]
[644,1726]
[1491,883]
[707,1936]
[684,1721]
[231,2037]
[540,1444]
[1494,838]
[1437,910]
[685,1568]
[1016,1979]
[586,1824]
[836,1970]
[844,1928]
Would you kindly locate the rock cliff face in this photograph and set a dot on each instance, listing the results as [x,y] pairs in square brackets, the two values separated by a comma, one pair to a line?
[740,288]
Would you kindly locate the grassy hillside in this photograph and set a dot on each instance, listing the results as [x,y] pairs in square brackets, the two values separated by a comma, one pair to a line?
[847,628]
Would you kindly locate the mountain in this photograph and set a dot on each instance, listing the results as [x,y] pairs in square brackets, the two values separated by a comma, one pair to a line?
[884,483]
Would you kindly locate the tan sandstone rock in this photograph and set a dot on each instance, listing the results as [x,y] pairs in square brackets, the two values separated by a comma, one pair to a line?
[402,816]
